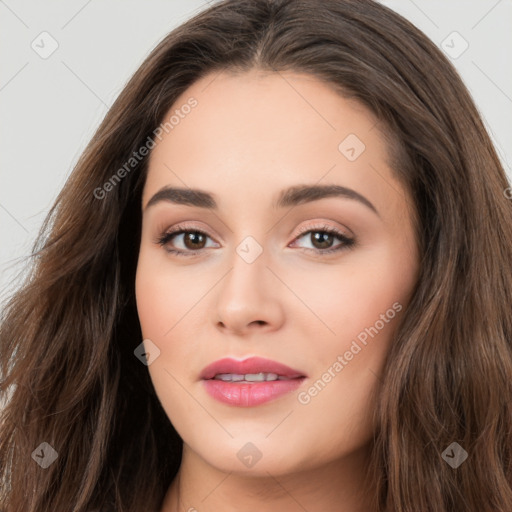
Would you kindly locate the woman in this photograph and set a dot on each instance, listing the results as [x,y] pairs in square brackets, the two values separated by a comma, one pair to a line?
[134,356]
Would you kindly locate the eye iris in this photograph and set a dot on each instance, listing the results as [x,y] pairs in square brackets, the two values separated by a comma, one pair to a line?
[193,237]
[323,238]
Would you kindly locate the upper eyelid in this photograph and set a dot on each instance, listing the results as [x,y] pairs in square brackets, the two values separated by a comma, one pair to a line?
[347,241]
[183,228]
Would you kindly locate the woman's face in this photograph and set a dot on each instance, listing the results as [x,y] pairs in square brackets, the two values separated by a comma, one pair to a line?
[315,279]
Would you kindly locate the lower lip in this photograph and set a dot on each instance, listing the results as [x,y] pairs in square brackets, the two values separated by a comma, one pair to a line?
[250,394]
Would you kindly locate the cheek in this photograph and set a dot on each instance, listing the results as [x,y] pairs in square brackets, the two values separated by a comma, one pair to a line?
[169,302]
[358,299]
[162,304]
[152,305]
[165,295]
[360,305]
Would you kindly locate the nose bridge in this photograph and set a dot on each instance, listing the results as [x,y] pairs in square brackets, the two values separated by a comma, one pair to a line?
[248,268]
[247,295]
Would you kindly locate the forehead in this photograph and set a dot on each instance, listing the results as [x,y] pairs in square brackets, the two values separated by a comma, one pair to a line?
[255,132]
[256,106]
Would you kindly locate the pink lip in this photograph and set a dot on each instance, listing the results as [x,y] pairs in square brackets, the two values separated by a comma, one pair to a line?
[249,365]
[254,393]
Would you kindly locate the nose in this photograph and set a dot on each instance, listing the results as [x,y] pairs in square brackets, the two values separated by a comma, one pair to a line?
[249,298]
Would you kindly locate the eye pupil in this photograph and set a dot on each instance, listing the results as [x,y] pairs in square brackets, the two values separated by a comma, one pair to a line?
[193,236]
[194,240]
[323,238]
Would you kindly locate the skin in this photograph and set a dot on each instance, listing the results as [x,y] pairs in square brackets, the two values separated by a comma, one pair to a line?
[250,136]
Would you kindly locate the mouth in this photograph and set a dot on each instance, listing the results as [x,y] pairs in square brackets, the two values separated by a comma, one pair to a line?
[249,377]
[250,382]
[252,369]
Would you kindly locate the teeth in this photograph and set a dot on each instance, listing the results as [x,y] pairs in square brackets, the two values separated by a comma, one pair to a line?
[249,377]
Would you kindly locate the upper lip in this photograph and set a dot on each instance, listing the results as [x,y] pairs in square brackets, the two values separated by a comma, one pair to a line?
[249,365]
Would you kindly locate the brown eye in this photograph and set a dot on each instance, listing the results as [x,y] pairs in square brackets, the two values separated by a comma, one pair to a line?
[190,242]
[194,240]
[184,241]
[321,239]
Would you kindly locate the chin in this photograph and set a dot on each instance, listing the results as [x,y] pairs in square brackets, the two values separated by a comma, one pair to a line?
[252,458]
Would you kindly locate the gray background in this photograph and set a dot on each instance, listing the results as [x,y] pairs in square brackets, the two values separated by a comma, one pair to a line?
[50,107]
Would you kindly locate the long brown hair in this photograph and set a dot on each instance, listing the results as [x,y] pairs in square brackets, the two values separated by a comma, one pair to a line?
[68,371]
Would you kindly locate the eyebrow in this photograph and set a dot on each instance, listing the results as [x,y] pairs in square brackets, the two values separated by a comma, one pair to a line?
[292,196]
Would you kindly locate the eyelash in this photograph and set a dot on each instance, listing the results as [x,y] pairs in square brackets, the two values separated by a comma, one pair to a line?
[348,243]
